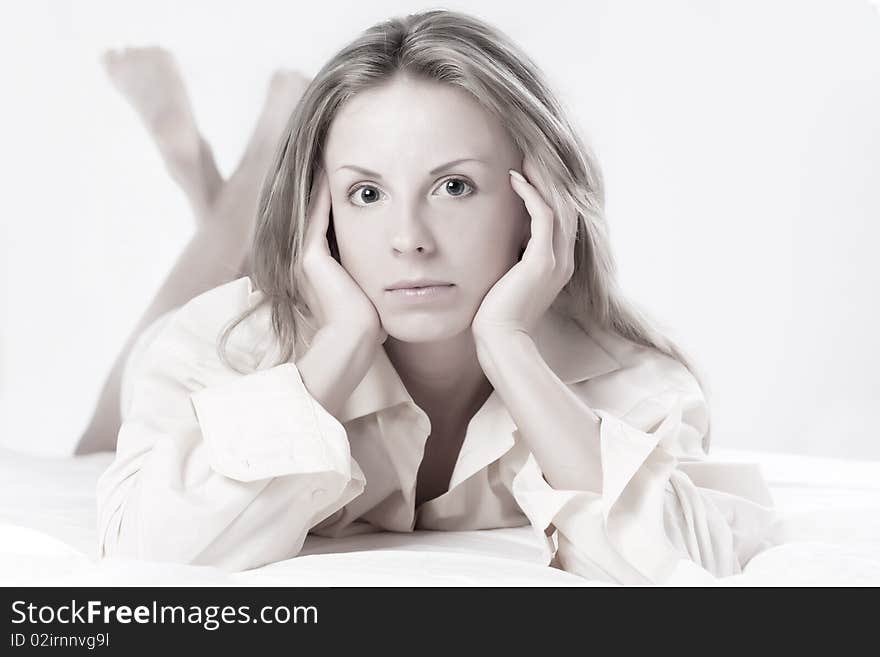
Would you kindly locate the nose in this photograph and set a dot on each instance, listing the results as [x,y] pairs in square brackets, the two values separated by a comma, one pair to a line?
[412,235]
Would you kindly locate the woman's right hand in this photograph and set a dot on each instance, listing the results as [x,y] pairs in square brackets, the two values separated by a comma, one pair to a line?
[333,296]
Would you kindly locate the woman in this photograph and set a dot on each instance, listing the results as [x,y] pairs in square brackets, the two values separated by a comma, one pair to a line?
[431,337]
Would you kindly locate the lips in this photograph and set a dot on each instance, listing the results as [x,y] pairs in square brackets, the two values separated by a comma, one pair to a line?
[417,284]
[422,295]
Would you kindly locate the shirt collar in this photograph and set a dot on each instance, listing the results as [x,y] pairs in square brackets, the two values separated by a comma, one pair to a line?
[571,349]
[566,346]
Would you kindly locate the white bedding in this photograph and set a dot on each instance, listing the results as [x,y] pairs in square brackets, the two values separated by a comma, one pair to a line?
[47,537]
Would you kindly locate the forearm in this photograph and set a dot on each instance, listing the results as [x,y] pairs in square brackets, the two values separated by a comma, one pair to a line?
[335,364]
[561,431]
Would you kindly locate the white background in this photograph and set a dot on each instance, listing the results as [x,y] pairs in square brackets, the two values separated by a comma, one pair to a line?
[740,143]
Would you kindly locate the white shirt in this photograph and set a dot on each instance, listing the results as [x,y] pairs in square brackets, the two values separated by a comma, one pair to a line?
[233,470]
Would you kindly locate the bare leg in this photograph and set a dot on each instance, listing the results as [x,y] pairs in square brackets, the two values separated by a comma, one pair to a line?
[148,78]
[225,211]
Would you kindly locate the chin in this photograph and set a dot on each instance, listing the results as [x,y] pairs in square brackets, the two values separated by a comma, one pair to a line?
[424,326]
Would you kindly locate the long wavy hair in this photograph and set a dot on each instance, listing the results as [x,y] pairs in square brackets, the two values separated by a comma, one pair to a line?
[454,48]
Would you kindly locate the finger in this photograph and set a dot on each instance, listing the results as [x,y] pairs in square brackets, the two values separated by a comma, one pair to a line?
[319,210]
[541,242]
[563,247]
[564,230]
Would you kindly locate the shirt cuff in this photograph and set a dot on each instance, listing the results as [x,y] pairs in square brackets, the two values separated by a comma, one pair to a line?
[650,516]
[267,424]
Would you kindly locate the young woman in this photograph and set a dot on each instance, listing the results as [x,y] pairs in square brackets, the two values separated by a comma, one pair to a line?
[431,337]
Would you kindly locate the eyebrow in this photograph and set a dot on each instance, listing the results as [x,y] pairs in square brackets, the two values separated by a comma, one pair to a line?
[433,171]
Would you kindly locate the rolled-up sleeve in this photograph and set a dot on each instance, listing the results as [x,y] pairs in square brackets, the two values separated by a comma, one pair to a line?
[219,468]
[666,511]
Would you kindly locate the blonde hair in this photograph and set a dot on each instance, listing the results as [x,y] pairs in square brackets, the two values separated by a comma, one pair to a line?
[451,48]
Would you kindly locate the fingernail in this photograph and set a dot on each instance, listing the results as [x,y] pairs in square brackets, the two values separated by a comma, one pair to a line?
[517,175]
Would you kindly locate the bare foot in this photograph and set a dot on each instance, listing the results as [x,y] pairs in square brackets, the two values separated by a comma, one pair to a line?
[150,81]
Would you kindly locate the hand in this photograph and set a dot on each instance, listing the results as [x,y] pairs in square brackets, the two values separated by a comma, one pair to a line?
[332,295]
[520,297]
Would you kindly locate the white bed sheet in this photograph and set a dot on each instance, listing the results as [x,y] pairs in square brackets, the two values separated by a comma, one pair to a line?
[48,537]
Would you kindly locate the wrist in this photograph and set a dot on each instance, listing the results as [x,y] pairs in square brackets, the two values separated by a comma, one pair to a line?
[349,334]
[342,338]
[495,347]
[335,363]
[494,338]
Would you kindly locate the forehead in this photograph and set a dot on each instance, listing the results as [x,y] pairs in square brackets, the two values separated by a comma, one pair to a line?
[398,120]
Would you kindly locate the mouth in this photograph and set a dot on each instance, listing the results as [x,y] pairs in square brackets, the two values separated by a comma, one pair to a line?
[417,284]
[421,292]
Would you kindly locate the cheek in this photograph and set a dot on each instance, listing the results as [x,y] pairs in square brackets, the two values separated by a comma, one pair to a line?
[356,244]
[490,236]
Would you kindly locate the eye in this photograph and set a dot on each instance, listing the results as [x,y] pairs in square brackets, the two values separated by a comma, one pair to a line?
[457,187]
[366,194]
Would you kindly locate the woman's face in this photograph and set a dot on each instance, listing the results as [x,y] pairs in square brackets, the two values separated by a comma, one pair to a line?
[420,188]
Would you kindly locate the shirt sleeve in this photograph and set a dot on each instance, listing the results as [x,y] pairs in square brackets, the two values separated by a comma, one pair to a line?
[219,468]
[666,513]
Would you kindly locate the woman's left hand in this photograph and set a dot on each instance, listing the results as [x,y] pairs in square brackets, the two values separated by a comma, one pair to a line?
[520,297]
